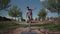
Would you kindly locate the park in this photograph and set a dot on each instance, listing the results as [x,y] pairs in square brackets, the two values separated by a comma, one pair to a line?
[29,16]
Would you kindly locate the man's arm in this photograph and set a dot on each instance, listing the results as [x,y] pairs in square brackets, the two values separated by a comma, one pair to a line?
[33,8]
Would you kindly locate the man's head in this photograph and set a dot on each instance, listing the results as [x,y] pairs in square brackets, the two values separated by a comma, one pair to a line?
[27,7]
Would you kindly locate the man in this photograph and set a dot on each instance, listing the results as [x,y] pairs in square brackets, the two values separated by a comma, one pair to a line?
[29,14]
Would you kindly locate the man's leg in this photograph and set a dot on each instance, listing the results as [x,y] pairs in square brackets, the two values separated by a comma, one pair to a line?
[28,19]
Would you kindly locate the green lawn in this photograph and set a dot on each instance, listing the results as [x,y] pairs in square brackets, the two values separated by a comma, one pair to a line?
[46,26]
[4,27]
[13,26]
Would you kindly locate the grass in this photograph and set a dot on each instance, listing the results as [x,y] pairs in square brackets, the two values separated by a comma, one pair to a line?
[46,26]
[6,27]
[52,27]
[23,25]
[12,26]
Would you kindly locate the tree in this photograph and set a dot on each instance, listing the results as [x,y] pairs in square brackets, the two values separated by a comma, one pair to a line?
[4,4]
[36,18]
[15,12]
[42,14]
[53,6]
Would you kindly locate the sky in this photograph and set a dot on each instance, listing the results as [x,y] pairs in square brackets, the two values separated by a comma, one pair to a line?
[22,4]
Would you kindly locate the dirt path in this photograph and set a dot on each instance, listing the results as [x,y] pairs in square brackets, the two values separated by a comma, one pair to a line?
[34,29]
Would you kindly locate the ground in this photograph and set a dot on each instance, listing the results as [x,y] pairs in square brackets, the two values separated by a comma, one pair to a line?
[20,27]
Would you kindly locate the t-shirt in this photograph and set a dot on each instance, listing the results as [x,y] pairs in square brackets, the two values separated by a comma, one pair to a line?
[29,12]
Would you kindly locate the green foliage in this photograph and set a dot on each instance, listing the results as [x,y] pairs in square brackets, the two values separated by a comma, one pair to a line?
[4,4]
[42,13]
[54,6]
[15,12]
